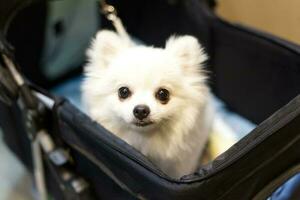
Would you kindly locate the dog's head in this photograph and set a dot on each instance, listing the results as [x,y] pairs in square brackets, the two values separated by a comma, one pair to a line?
[142,86]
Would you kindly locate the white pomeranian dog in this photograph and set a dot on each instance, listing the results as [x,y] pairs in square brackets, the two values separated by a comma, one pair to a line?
[156,99]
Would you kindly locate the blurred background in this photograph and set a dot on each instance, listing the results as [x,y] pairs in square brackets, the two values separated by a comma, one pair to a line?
[281,18]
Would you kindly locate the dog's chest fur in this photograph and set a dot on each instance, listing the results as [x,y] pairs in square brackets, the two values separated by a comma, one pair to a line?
[174,147]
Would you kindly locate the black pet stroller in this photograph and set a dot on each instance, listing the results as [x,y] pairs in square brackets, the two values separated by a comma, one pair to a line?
[256,74]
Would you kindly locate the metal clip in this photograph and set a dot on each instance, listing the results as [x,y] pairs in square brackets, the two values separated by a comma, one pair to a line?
[108,10]
[110,13]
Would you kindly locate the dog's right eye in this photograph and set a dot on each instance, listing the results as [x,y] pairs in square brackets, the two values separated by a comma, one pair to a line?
[124,92]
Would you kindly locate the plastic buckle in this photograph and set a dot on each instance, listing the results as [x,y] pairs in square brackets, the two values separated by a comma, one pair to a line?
[59,157]
[73,187]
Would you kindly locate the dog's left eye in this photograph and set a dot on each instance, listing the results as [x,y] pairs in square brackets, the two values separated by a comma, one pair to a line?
[124,92]
[163,95]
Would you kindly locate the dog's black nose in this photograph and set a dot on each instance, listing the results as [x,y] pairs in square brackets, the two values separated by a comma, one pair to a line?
[141,111]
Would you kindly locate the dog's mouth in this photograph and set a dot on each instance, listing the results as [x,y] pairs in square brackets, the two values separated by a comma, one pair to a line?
[142,123]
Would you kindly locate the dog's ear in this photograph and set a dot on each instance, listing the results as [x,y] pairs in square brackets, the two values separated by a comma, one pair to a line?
[187,49]
[106,45]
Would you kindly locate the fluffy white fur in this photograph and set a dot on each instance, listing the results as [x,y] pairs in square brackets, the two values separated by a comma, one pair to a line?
[174,142]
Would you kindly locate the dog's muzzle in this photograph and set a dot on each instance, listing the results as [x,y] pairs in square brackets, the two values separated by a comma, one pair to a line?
[142,123]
